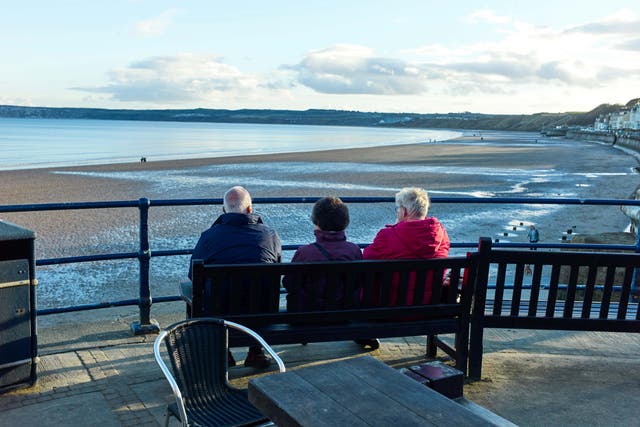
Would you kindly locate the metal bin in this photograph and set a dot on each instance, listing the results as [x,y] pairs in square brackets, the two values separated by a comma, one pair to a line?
[18,337]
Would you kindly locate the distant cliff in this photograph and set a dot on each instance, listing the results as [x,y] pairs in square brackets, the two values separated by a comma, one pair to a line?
[466,120]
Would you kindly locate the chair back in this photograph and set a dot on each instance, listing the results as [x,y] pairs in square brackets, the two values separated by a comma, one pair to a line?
[197,351]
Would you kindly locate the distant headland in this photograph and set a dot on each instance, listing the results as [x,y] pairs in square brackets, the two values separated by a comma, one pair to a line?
[463,120]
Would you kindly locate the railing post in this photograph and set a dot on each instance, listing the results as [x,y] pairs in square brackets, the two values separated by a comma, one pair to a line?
[145,325]
[477,315]
[635,291]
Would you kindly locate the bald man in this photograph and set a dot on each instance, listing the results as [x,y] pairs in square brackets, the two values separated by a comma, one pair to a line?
[239,236]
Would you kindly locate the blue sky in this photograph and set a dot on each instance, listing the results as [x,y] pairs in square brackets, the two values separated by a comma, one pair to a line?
[402,56]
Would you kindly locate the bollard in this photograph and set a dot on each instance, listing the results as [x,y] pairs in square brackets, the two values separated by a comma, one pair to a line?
[569,230]
[505,234]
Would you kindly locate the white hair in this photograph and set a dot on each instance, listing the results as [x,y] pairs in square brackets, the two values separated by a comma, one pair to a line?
[415,200]
[237,199]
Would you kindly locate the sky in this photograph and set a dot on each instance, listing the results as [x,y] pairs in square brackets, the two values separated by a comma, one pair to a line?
[507,57]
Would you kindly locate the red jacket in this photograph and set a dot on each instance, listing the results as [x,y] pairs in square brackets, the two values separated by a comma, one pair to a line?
[424,239]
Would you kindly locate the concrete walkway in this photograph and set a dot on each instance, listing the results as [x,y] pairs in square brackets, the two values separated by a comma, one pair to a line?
[92,372]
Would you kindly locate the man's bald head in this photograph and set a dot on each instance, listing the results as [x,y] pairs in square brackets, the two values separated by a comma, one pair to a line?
[238,200]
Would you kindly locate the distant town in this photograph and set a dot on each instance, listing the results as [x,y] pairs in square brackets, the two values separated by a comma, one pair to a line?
[627,118]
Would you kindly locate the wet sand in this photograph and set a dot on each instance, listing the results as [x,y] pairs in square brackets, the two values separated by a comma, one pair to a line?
[495,150]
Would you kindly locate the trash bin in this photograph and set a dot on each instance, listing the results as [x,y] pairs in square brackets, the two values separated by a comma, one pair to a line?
[18,338]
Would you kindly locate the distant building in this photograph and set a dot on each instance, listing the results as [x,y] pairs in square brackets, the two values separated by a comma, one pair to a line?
[634,117]
[626,118]
[602,122]
[619,120]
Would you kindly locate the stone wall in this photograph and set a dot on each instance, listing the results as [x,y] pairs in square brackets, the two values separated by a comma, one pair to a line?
[631,142]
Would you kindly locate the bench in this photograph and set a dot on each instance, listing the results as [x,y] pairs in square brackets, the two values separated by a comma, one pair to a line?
[565,290]
[249,294]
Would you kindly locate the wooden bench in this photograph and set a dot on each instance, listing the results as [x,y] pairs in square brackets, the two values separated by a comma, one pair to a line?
[565,290]
[249,294]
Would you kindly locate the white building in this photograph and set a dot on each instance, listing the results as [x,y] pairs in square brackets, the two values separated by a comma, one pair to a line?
[634,117]
[619,120]
[602,122]
[627,118]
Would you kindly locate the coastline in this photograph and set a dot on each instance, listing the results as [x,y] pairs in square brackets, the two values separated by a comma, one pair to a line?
[49,185]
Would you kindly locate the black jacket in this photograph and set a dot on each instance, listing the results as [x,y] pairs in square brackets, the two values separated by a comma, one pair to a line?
[236,238]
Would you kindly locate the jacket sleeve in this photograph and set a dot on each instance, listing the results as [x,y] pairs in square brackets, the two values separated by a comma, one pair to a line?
[286,280]
[277,247]
[196,254]
[376,250]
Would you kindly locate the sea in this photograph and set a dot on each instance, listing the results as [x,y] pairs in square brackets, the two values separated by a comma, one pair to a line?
[599,172]
[38,143]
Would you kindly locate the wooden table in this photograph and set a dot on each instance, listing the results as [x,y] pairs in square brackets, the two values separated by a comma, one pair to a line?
[354,392]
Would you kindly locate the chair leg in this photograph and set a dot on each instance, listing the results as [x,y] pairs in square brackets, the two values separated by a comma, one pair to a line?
[166,419]
[432,346]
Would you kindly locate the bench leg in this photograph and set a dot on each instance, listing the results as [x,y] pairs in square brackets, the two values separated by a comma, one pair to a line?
[432,346]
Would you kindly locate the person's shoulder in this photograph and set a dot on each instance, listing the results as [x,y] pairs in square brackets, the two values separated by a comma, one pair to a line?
[306,253]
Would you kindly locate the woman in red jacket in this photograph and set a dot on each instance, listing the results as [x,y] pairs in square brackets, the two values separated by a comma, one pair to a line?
[413,236]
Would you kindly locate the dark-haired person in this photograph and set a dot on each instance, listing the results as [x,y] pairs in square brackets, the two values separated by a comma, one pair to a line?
[330,217]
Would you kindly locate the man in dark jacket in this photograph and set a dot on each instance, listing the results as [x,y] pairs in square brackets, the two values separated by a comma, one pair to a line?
[239,236]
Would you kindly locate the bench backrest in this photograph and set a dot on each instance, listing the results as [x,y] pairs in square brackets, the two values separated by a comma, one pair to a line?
[565,290]
[558,290]
[363,287]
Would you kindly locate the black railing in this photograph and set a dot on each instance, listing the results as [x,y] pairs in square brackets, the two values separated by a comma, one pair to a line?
[145,253]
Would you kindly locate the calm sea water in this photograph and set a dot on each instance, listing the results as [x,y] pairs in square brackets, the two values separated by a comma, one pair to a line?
[36,143]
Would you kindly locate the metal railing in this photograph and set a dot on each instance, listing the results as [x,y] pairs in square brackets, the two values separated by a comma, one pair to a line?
[145,253]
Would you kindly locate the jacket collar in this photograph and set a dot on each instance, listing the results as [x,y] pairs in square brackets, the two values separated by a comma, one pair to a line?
[233,218]
[329,236]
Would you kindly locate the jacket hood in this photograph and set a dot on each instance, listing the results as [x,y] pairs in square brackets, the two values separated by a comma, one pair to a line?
[330,236]
[425,238]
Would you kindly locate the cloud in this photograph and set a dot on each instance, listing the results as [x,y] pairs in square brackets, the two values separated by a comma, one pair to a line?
[621,22]
[523,56]
[486,15]
[349,69]
[630,45]
[510,66]
[184,77]
[156,25]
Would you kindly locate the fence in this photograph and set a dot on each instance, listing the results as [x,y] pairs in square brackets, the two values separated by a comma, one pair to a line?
[145,253]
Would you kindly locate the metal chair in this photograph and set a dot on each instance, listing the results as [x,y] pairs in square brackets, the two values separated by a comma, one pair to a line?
[197,350]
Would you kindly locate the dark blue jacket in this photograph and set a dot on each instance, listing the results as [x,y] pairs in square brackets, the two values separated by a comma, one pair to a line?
[236,238]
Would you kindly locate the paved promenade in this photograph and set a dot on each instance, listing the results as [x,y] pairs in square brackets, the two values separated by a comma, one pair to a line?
[92,372]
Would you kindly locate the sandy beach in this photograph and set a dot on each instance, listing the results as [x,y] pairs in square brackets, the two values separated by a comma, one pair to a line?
[500,164]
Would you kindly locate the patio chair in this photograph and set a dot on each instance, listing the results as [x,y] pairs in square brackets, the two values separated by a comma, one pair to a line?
[197,350]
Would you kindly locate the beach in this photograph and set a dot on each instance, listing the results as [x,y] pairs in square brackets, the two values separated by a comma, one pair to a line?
[498,164]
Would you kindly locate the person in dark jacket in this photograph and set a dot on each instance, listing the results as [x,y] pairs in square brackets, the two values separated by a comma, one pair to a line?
[413,236]
[330,217]
[238,236]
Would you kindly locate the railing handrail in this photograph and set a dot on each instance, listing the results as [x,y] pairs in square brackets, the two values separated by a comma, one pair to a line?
[145,253]
[300,200]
